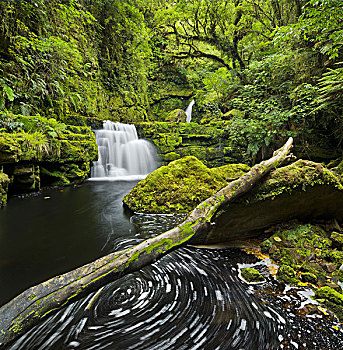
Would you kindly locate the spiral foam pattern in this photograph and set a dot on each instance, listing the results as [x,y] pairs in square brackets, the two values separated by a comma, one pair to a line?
[191,299]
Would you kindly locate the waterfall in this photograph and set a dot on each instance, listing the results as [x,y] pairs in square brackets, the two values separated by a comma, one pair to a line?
[188,111]
[122,156]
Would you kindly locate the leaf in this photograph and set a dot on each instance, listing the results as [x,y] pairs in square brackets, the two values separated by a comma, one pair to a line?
[9,92]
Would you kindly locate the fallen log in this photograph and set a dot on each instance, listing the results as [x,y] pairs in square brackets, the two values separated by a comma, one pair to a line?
[31,306]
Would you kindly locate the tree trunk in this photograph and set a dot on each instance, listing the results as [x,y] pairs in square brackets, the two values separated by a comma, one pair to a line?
[31,306]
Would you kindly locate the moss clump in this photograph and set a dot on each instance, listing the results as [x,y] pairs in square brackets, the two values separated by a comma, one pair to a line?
[232,171]
[177,115]
[178,187]
[266,245]
[331,299]
[169,157]
[337,240]
[251,275]
[286,275]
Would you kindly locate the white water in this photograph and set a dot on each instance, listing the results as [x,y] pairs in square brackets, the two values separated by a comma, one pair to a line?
[188,111]
[122,156]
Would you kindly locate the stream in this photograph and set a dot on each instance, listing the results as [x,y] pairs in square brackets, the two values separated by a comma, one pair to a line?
[190,299]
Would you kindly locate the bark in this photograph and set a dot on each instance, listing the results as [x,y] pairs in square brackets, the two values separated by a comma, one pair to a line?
[31,306]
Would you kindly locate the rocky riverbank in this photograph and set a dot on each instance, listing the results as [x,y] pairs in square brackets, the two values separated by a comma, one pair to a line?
[43,152]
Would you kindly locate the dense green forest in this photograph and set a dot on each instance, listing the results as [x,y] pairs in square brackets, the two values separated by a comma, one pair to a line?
[271,67]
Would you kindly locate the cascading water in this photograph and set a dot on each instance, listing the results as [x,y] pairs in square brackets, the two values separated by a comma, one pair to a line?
[122,156]
[188,111]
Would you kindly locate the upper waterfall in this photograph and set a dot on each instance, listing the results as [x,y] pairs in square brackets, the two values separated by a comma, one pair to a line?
[188,111]
[122,155]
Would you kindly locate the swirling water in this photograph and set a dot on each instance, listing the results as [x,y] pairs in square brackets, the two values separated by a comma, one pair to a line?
[190,299]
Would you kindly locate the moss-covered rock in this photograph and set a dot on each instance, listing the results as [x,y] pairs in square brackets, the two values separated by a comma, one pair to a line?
[44,152]
[177,116]
[286,274]
[10,150]
[210,142]
[309,277]
[331,299]
[26,178]
[251,275]
[180,186]
[302,190]
[337,240]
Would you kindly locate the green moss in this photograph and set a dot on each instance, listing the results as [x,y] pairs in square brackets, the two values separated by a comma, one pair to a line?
[286,275]
[266,245]
[10,150]
[178,187]
[337,240]
[63,153]
[4,182]
[251,275]
[331,299]
[300,175]
[232,171]
[210,143]
[177,115]
[169,157]
[334,256]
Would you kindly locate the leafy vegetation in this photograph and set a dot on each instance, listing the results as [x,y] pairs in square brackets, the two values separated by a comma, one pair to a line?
[271,68]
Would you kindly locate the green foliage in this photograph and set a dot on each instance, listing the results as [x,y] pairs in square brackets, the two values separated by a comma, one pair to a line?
[331,89]
[319,24]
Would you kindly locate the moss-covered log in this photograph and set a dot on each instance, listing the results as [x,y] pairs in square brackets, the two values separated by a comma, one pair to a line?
[27,309]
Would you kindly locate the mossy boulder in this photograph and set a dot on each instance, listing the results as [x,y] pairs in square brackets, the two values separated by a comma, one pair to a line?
[251,275]
[332,299]
[302,190]
[180,186]
[177,115]
[26,178]
[10,150]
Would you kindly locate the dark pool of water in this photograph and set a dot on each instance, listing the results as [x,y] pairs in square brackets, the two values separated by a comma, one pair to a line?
[41,238]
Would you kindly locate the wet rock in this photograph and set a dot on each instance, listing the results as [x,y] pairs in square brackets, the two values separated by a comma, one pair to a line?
[329,267]
[309,277]
[332,299]
[251,275]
